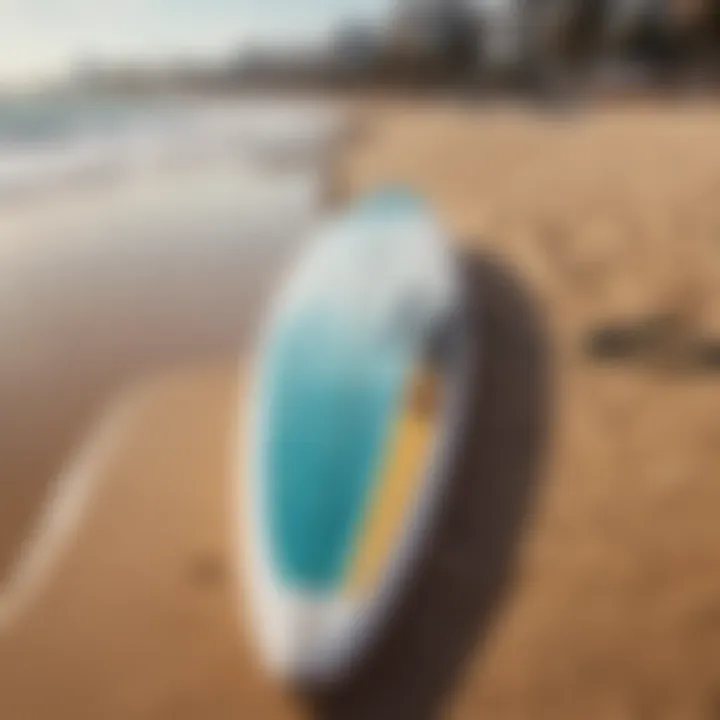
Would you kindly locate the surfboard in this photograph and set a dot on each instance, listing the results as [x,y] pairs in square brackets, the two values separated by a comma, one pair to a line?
[349,422]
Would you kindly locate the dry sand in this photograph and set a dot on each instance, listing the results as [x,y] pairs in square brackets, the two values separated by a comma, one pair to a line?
[616,613]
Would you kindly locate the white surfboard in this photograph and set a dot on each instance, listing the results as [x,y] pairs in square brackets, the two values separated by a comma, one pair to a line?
[349,423]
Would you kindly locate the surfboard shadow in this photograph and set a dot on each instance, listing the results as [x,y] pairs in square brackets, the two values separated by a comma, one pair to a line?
[447,610]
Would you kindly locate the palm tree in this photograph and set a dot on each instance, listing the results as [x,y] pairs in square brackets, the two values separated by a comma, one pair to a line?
[437,38]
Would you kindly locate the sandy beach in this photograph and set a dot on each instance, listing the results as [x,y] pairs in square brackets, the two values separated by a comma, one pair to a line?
[608,214]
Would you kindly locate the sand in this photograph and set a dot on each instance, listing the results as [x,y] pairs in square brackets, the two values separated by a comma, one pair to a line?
[607,214]
[98,302]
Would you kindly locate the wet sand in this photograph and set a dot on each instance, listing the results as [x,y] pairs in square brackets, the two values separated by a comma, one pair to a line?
[94,300]
[615,615]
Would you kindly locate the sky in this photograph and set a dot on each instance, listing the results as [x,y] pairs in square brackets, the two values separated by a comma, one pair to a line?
[45,38]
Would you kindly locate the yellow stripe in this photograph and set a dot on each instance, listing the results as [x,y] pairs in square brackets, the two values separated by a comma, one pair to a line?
[402,474]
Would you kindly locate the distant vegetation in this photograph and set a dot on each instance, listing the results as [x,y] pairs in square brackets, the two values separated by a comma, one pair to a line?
[473,44]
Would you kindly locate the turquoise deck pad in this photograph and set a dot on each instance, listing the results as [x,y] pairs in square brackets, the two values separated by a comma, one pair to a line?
[339,355]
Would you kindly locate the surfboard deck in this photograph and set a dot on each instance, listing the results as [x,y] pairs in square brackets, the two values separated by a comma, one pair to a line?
[346,432]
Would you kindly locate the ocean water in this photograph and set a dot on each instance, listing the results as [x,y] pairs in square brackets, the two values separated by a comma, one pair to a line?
[42,120]
[47,139]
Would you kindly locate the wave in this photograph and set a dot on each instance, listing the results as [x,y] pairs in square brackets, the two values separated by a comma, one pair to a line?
[60,145]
